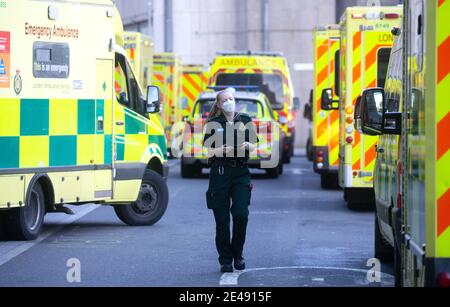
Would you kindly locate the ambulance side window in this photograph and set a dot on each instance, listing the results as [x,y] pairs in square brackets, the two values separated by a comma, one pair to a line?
[417,32]
[120,81]
[51,60]
[337,72]
[135,93]
[383,62]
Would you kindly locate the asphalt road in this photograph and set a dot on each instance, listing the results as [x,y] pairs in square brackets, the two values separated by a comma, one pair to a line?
[298,235]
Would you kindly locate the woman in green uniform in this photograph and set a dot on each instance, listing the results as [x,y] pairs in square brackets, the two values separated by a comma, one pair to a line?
[229,137]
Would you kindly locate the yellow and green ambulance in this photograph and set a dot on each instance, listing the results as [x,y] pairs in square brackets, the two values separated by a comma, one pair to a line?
[268,70]
[140,49]
[194,81]
[424,159]
[75,127]
[366,42]
[325,125]
[167,76]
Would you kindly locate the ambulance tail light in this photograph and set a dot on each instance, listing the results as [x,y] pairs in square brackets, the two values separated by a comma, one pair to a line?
[349,140]
[283,119]
[290,117]
[392,16]
[444,280]
[373,15]
[264,127]
[319,156]
[357,16]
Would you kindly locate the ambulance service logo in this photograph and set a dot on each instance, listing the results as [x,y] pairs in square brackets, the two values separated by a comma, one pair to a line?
[17,82]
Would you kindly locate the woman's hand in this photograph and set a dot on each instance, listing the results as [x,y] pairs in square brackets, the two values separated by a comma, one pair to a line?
[221,151]
[248,146]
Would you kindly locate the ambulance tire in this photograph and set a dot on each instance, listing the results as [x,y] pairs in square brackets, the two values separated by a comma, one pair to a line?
[359,199]
[383,250]
[280,168]
[3,234]
[397,265]
[25,223]
[328,181]
[189,171]
[286,157]
[151,204]
[273,172]
[309,150]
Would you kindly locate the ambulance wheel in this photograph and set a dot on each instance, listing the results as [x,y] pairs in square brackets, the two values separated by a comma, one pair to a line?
[3,235]
[383,250]
[189,171]
[309,150]
[26,223]
[280,167]
[397,265]
[273,172]
[150,205]
[286,157]
[328,181]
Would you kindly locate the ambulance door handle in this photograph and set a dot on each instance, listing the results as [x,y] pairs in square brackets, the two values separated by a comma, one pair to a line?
[119,123]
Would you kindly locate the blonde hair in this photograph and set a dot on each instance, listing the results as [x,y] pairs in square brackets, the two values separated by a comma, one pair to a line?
[215,110]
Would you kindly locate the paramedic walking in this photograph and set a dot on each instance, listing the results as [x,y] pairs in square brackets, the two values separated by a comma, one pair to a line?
[230,137]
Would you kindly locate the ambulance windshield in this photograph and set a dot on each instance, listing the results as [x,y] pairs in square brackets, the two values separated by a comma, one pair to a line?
[270,84]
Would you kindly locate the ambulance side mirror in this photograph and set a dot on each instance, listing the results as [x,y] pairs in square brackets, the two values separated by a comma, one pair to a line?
[327,102]
[153,102]
[372,111]
[307,112]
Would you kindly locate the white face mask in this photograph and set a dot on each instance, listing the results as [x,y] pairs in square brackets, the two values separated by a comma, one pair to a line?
[229,106]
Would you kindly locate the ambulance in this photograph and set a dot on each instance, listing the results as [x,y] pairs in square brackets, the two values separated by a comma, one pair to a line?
[387,169]
[140,49]
[269,71]
[325,125]
[167,76]
[254,104]
[366,42]
[75,127]
[194,81]
[423,125]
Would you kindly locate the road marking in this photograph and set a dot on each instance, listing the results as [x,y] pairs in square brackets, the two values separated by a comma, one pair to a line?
[231,279]
[266,212]
[17,248]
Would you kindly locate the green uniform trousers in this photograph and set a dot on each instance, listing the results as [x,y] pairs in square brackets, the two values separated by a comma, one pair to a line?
[229,183]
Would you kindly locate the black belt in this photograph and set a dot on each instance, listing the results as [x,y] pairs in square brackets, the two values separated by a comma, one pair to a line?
[230,163]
